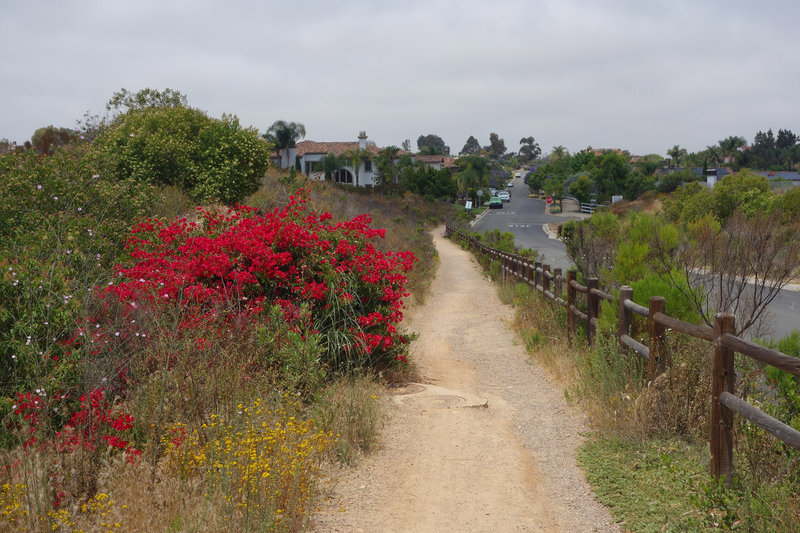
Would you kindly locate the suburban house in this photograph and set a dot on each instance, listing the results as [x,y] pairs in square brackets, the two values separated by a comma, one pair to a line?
[437,162]
[308,158]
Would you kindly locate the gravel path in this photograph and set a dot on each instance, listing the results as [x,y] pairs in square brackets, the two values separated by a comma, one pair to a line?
[485,444]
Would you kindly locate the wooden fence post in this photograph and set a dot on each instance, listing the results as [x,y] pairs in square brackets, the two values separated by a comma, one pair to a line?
[657,361]
[592,308]
[625,314]
[557,283]
[537,275]
[570,304]
[723,379]
[545,280]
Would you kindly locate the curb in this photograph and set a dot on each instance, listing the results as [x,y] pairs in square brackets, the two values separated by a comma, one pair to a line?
[478,218]
[549,232]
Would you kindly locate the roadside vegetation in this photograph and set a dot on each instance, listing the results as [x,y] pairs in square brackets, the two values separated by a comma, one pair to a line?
[171,367]
[648,455]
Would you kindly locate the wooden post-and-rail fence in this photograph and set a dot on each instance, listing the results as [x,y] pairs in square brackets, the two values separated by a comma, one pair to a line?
[564,290]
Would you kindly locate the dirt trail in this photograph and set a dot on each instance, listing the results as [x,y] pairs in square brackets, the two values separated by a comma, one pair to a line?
[485,444]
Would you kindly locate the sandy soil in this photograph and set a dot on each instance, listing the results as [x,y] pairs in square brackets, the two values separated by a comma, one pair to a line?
[486,443]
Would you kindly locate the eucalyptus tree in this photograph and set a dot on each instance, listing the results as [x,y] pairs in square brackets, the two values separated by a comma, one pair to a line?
[530,149]
[497,146]
[471,146]
[284,135]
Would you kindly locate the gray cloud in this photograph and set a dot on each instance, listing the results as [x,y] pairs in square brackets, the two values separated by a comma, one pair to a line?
[637,75]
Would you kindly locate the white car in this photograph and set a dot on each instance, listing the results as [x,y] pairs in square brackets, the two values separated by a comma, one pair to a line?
[517,175]
[504,195]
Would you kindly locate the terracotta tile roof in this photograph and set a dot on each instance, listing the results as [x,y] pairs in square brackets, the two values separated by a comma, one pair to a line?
[335,148]
[429,158]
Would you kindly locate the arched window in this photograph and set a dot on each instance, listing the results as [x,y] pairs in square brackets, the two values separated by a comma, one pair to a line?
[343,176]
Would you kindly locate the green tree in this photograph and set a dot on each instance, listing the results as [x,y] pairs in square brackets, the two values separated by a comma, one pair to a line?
[386,161]
[473,172]
[530,149]
[432,145]
[730,146]
[736,191]
[673,180]
[649,163]
[559,152]
[284,135]
[676,153]
[210,159]
[472,146]
[331,164]
[742,263]
[581,188]
[637,184]
[790,204]
[497,146]
[123,100]
[612,174]
[356,158]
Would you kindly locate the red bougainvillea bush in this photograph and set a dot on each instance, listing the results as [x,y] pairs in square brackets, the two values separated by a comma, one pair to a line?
[234,267]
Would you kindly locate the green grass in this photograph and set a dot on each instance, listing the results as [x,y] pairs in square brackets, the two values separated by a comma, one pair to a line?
[646,486]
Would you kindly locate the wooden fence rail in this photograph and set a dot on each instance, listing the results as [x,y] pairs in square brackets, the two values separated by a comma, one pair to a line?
[582,312]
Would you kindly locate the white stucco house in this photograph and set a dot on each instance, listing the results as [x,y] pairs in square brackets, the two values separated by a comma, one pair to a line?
[308,157]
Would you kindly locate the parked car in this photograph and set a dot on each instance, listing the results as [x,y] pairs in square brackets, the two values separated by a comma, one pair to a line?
[517,175]
[504,196]
[510,184]
[495,203]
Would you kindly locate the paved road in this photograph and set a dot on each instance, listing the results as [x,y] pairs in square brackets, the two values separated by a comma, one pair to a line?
[524,217]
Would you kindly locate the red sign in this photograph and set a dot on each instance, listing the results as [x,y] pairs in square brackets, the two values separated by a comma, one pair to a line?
[549,199]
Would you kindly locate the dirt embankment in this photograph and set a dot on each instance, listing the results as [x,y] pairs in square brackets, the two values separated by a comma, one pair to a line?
[485,444]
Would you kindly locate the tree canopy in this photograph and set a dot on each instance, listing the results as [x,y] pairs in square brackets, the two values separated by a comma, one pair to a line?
[529,150]
[472,146]
[432,145]
[210,159]
[284,135]
[497,146]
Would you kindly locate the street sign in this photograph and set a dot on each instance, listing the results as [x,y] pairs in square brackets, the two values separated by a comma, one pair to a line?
[479,192]
[549,199]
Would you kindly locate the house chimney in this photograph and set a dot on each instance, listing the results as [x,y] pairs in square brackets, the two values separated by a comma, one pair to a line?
[362,140]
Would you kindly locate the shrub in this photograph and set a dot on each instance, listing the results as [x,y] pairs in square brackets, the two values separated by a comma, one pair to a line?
[327,279]
[211,159]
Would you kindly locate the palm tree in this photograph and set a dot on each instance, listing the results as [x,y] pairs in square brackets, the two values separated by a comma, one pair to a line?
[284,135]
[473,172]
[676,153]
[713,153]
[730,145]
[331,164]
[559,151]
[389,154]
[356,157]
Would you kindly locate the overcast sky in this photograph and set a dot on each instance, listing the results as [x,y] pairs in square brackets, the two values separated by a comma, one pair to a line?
[642,75]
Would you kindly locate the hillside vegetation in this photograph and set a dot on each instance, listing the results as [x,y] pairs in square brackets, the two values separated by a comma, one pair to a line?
[171,367]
